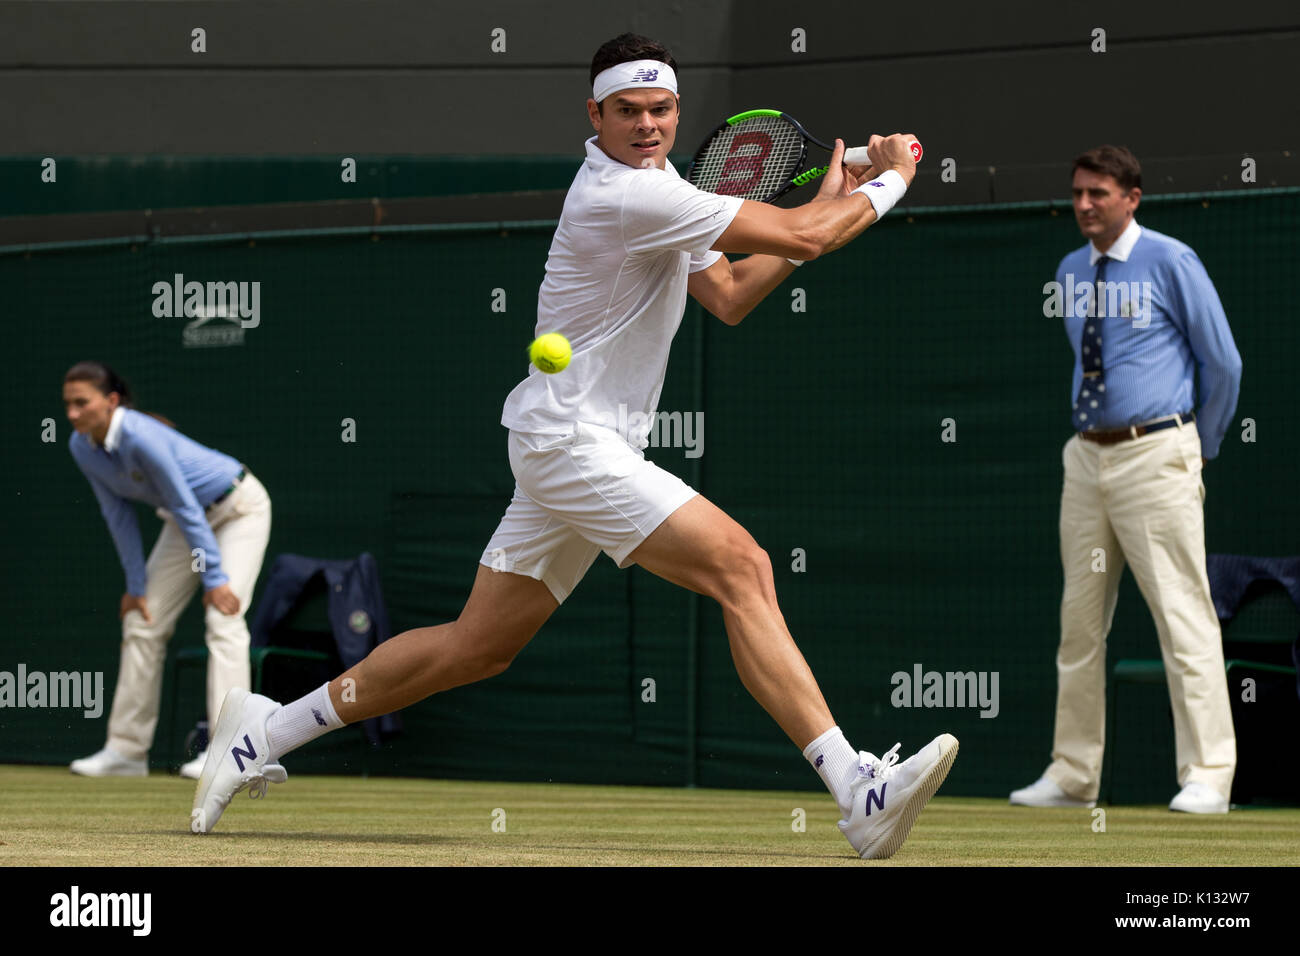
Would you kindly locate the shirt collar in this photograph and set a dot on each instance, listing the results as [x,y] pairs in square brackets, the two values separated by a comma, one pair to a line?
[114,436]
[1121,248]
[597,155]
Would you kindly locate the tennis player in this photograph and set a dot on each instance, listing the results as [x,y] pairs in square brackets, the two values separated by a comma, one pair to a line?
[633,240]
[217,520]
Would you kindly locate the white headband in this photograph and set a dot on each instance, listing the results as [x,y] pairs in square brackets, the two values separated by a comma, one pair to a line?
[636,73]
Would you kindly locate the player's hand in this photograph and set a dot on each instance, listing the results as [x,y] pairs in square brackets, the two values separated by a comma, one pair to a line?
[132,603]
[222,598]
[837,181]
[893,152]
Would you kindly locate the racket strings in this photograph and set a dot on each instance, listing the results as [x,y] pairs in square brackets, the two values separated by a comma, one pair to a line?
[754,159]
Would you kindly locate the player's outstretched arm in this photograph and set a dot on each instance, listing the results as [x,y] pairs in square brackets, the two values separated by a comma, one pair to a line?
[829,221]
[730,290]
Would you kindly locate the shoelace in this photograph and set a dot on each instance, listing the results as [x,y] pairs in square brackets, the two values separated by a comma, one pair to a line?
[257,787]
[881,767]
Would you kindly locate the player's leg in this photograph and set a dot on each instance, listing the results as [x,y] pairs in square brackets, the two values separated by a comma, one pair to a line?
[530,565]
[541,562]
[1160,521]
[1092,563]
[502,614]
[133,718]
[701,548]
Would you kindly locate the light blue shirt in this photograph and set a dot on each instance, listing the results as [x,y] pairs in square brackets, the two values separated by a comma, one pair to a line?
[1170,326]
[144,460]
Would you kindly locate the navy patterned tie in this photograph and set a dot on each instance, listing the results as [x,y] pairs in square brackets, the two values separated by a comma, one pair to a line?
[1087,406]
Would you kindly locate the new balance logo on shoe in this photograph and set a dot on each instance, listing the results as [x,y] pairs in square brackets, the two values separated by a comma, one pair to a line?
[319,719]
[877,797]
[239,755]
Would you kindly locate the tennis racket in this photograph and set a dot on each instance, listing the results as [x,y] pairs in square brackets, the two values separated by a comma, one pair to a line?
[762,155]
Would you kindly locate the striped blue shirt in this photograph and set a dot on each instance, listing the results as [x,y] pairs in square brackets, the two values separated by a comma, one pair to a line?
[1162,322]
[144,460]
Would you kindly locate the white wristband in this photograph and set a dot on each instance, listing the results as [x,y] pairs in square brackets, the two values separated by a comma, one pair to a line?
[794,262]
[883,191]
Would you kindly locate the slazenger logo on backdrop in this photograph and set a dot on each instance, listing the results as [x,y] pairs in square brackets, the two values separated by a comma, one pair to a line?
[221,310]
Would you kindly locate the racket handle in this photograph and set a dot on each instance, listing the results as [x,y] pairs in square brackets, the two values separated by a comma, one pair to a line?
[857,155]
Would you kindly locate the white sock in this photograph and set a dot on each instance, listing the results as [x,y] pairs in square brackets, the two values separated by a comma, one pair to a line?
[837,764]
[305,719]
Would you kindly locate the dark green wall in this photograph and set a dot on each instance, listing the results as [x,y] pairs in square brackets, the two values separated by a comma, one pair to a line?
[822,433]
[108,183]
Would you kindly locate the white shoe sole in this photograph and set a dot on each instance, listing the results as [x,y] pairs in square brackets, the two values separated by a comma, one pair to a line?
[228,724]
[925,788]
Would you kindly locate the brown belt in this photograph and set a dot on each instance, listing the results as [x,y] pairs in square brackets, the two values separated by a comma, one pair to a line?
[1136,431]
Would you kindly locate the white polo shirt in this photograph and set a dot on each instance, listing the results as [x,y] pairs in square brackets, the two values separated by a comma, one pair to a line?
[615,287]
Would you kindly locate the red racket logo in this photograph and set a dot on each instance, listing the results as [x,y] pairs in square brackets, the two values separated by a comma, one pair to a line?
[740,173]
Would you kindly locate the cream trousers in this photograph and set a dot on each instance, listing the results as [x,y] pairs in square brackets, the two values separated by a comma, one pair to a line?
[242,526]
[1139,501]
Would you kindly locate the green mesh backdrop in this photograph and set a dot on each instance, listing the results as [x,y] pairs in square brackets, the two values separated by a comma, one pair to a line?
[822,433]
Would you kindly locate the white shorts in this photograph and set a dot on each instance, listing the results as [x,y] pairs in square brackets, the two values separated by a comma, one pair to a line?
[575,496]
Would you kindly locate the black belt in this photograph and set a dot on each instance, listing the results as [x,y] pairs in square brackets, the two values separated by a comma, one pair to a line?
[229,491]
[1135,431]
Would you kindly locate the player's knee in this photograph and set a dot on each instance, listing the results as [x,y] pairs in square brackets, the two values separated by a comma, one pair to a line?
[492,666]
[748,573]
[489,662]
[485,655]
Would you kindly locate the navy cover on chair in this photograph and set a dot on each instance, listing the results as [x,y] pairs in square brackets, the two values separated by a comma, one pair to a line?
[1231,575]
[357,613]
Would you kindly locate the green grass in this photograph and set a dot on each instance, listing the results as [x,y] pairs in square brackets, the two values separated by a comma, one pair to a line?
[50,817]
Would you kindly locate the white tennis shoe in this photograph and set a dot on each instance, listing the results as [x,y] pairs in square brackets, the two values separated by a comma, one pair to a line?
[898,792]
[237,758]
[1045,792]
[109,763]
[1199,798]
[193,769]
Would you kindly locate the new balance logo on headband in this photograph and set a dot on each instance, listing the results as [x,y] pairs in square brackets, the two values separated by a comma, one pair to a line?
[634,73]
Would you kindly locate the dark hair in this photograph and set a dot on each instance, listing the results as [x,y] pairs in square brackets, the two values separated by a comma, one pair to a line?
[108,381]
[1116,161]
[625,48]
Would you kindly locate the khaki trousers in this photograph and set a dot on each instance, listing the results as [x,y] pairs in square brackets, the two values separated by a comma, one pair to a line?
[1140,502]
[242,526]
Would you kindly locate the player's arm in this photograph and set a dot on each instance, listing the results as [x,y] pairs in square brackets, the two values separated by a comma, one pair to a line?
[836,216]
[730,290]
[804,232]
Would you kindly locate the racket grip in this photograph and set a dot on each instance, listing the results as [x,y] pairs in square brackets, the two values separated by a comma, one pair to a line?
[857,155]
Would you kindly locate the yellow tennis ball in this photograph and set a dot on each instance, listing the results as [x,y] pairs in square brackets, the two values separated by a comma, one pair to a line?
[550,352]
